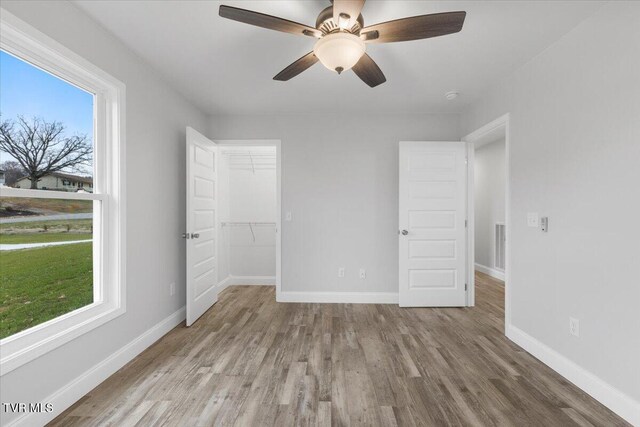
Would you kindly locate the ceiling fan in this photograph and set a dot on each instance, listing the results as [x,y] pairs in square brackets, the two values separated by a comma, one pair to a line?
[342,37]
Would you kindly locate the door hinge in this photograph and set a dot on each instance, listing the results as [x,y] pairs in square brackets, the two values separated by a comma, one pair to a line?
[466,286]
[466,222]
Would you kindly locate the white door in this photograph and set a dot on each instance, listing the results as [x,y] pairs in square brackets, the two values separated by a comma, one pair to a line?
[201,235]
[432,233]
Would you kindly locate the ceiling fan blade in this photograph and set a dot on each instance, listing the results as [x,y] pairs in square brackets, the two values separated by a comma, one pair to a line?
[369,72]
[414,28]
[268,21]
[349,9]
[297,67]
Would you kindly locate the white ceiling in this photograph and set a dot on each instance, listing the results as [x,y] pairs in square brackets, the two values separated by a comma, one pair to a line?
[226,67]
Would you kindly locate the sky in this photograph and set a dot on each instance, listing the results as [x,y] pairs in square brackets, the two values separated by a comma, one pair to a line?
[28,91]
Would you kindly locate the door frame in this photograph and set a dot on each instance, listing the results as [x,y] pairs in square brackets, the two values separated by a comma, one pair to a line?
[495,127]
[266,143]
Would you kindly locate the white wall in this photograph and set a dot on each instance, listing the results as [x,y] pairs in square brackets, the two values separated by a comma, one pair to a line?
[247,194]
[340,182]
[156,117]
[489,185]
[574,155]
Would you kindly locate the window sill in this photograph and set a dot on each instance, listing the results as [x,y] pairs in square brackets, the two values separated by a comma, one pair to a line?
[28,345]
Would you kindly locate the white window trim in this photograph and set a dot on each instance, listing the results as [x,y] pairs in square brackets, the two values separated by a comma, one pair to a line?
[24,41]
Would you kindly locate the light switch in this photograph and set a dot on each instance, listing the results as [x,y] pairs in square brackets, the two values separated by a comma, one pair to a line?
[532,219]
[287,216]
[544,224]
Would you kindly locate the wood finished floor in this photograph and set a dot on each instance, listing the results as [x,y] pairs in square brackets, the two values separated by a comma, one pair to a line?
[251,361]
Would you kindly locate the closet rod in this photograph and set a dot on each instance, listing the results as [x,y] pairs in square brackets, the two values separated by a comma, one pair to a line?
[262,153]
[255,154]
[250,224]
[246,223]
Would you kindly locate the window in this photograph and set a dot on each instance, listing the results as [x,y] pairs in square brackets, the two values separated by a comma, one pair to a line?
[62,259]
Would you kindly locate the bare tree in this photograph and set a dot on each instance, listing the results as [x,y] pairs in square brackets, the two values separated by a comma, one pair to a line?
[41,147]
[13,171]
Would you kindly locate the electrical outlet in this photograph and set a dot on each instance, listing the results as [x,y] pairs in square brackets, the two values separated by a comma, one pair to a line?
[574,326]
[363,273]
[287,216]
[532,219]
[341,272]
[172,288]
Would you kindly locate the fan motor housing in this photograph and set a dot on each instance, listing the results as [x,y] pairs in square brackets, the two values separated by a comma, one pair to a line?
[325,23]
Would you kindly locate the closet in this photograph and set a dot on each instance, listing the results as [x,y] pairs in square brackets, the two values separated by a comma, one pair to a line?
[247,215]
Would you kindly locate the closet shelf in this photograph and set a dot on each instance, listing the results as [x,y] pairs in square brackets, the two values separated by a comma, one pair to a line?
[246,223]
[249,224]
[256,160]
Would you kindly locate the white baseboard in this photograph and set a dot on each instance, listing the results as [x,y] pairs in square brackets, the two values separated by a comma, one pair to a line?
[224,284]
[496,274]
[253,280]
[603,392]
[339,297]
[246,280]
[76,389]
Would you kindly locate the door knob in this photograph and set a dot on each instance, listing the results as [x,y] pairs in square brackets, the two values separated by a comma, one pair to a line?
[190,236]
[405,232]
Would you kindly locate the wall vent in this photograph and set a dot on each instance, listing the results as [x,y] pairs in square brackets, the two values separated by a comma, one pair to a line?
[500,247]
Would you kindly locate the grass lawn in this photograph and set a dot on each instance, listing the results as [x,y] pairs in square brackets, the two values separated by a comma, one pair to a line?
[40,284]
[42,237]
[54,205]
[69,226]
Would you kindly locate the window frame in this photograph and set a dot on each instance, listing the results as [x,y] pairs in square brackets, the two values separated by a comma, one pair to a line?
[25,42]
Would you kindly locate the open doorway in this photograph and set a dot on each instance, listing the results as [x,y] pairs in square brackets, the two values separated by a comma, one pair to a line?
[489,198]
[248,213]
[489,193]
[233,218]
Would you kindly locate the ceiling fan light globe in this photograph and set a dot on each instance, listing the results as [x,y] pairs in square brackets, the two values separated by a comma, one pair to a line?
[340,50]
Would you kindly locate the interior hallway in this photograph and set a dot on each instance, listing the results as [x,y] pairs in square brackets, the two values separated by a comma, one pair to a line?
[251,361]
